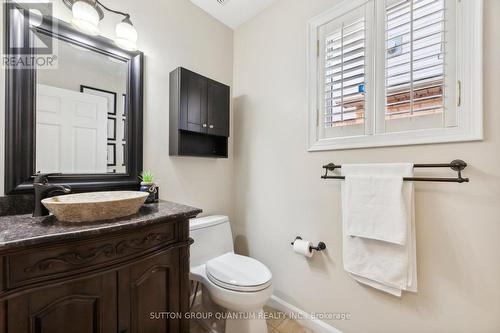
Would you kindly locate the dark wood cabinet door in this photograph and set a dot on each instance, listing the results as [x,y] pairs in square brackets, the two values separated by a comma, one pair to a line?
[193,102]
[218,108]
[85,306]
[199,115]
[148,293]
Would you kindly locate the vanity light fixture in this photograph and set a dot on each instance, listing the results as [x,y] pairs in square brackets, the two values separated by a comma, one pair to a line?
[88,13]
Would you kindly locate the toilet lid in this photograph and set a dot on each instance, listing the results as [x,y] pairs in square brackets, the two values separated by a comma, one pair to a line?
[239,273]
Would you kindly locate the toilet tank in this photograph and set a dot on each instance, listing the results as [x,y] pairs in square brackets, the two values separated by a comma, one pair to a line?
[212,238]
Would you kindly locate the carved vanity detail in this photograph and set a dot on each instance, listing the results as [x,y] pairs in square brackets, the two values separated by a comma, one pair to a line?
[88,278]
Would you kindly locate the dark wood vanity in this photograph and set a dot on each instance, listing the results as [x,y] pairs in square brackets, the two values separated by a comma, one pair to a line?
[118,276]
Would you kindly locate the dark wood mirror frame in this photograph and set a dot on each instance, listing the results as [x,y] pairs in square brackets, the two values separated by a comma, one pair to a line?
[20,106]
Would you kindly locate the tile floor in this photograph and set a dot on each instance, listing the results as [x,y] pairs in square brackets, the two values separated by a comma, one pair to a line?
[278,322]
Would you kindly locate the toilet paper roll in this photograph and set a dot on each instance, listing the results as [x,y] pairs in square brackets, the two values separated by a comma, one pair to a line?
[302,247]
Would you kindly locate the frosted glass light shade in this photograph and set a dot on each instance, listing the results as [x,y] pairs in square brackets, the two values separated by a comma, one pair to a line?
[126,35]
[35,17]
[85,18]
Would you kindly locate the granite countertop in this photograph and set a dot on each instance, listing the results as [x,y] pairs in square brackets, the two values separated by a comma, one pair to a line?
[23,230]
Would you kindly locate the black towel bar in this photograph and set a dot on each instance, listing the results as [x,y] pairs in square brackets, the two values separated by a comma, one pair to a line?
[456,165]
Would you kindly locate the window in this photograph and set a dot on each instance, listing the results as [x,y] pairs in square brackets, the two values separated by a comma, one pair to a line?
[395,72]
[414,58]
[345,75]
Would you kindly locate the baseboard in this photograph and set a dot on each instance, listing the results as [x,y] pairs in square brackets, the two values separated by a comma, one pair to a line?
[316,325]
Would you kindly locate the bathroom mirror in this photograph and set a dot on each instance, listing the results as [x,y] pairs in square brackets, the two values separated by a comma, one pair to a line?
[76,112]
[81,113]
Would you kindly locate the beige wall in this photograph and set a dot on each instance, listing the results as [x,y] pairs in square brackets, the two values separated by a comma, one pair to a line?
[173,33]
[279,193]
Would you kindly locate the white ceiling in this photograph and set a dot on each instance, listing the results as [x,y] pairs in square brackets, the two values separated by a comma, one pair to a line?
[233,12]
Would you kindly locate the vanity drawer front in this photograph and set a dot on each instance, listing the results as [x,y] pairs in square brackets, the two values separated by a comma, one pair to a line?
[79,256]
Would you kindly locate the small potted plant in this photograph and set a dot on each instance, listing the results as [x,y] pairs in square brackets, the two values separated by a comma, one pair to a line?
[147,185]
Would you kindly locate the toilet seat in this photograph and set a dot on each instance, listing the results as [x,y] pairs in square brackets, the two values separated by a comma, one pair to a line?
[238,273]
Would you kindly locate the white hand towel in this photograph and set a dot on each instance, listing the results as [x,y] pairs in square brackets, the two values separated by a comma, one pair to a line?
[375,208]
[382,253]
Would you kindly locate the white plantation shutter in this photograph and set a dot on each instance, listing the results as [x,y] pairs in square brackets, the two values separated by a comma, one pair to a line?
[415,58]
[395,72]
[344,75]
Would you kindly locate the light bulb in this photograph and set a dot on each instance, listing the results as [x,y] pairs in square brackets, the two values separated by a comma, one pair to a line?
[85,17]
[126,35]
[36,17]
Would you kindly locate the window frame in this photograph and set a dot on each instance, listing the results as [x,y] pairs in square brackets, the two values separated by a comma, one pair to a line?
[469,78]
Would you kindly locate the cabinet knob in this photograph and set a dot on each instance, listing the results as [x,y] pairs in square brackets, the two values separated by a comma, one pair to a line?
[204,125]
[211,126]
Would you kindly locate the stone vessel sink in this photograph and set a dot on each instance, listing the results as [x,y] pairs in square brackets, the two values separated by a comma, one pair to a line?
[95,206]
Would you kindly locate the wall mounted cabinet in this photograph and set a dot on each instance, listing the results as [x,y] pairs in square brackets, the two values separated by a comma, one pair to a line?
[199,115]
[110,282]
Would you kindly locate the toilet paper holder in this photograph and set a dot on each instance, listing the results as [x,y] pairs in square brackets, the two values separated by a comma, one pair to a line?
[321,245]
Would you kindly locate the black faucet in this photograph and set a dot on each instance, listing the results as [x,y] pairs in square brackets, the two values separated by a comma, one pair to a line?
[45,190]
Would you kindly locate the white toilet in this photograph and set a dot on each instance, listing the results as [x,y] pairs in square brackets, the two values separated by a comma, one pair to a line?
[237,283]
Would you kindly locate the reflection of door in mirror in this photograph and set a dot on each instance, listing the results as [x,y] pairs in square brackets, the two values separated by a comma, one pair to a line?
[71,131]
[80,112]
